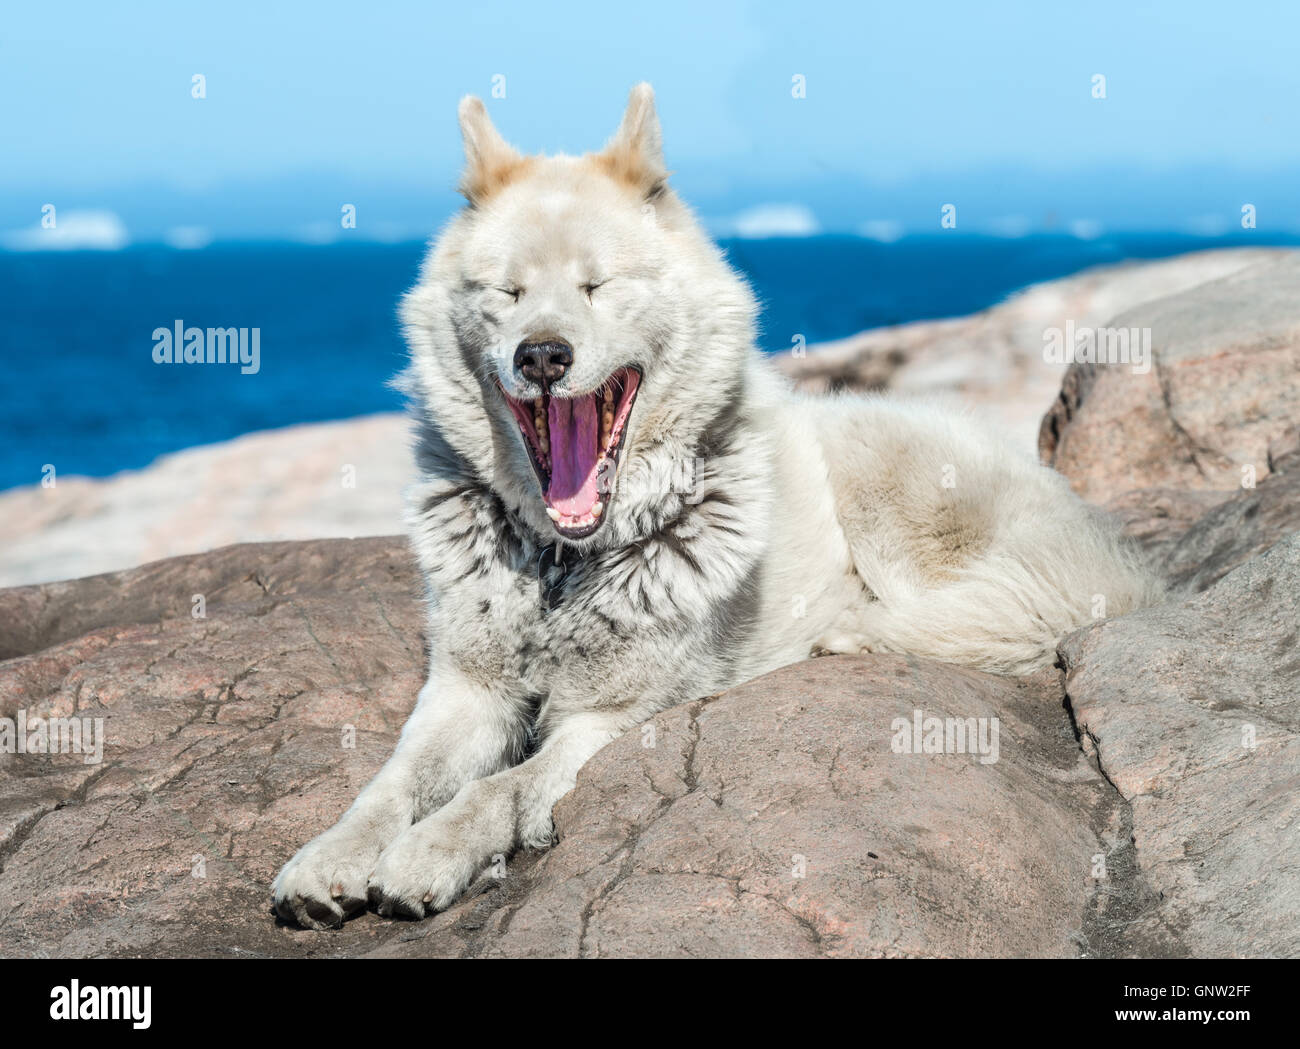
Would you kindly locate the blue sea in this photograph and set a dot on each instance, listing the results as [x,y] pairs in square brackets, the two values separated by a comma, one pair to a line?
[82,391]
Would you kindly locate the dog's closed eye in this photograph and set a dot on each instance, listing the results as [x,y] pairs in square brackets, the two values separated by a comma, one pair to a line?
[592,285]
[514,293]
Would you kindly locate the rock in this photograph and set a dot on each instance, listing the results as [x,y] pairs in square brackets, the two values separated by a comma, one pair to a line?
[775,820]
[261,487]
[1223,387]
[36,617]
[1191,710]
[1158,517]
[227,749]
[1199,458]
[1233,532]
[994,359]
[225,743]
[1196,537]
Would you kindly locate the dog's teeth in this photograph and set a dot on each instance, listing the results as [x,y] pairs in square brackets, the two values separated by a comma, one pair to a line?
[597,510]
[552,513]
[609,395]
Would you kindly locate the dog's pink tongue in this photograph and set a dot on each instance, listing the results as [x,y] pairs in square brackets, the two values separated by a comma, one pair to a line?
[574,426]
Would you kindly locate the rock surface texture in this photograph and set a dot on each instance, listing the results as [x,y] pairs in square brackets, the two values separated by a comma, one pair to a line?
[775,818]
[1213,417]
[1138,800]
[1193,712]
[994,359]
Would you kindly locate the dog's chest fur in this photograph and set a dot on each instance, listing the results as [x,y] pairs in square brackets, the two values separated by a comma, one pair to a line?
[590,630]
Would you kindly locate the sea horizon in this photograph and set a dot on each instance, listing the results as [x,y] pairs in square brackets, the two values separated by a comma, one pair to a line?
[94,401]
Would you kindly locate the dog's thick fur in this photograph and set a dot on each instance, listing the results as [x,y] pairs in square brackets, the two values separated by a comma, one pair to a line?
[749,527]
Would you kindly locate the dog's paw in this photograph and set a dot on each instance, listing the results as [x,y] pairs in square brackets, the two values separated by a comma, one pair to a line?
[325,882]
[424,871]
[840,644]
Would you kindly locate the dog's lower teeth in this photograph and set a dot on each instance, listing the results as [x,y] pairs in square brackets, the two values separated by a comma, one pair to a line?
[552,513]
[597,510]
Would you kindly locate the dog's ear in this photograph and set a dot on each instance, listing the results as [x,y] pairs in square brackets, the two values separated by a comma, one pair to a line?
[490,161]
[636,152]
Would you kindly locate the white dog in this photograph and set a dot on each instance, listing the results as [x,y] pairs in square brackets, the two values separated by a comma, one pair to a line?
[621,507]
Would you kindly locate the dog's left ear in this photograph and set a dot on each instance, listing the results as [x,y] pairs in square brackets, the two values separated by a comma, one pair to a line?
[636,152]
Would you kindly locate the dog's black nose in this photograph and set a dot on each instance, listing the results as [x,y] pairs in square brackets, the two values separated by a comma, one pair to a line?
[543,361]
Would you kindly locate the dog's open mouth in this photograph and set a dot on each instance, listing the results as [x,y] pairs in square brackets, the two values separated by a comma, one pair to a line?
[573,444]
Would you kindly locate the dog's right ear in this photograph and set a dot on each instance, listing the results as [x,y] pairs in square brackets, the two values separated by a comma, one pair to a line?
[490,161]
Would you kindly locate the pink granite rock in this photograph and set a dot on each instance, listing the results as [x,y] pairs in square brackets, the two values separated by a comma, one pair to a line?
[774,819]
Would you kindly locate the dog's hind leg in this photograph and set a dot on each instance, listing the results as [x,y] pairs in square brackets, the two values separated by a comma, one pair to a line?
[978,555]
[459,730]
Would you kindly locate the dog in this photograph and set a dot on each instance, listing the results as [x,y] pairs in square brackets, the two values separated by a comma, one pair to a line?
[621,507]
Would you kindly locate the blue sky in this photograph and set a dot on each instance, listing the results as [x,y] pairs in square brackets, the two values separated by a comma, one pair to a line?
[908,106]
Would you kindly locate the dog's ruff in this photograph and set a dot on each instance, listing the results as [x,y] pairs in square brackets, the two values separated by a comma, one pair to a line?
[737,526]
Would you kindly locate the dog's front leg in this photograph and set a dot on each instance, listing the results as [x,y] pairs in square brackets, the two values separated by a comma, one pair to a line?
[433,862]
[458,731]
